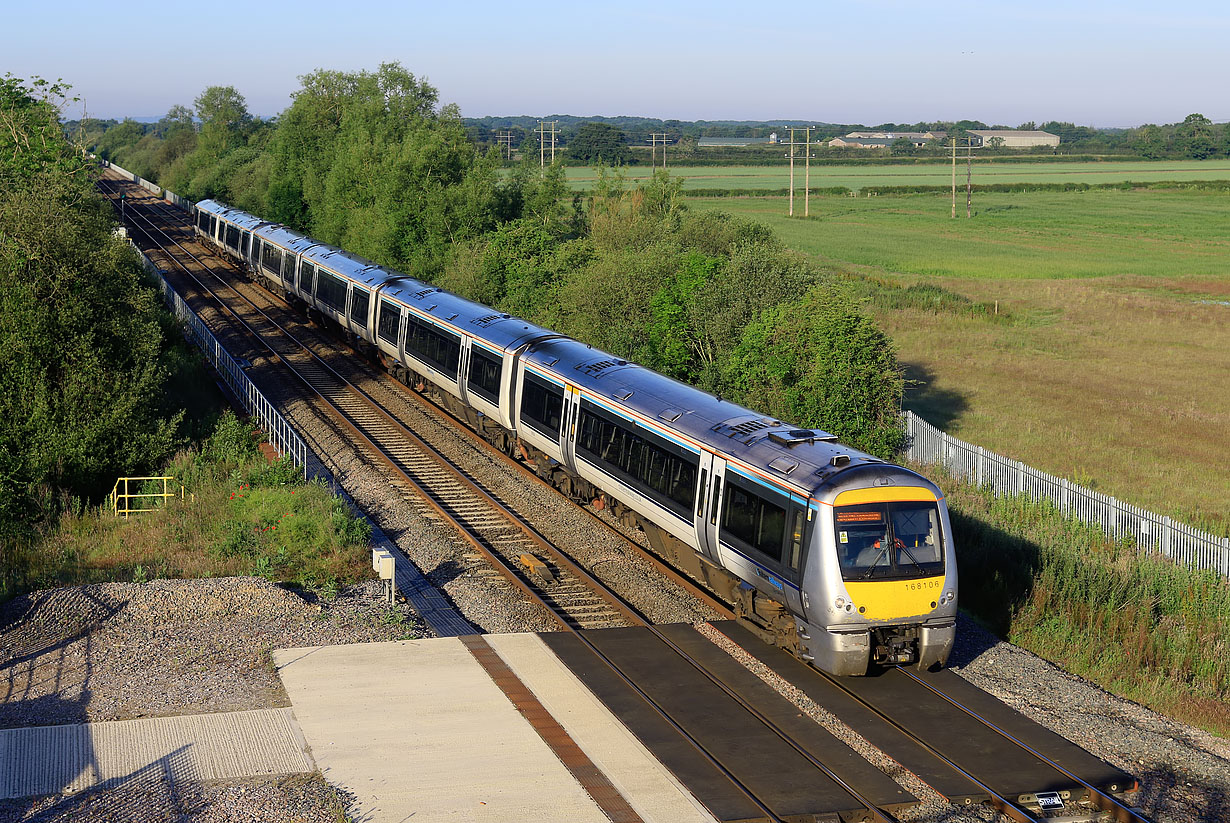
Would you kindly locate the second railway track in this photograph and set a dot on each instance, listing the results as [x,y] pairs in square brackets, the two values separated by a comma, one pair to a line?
[550,577]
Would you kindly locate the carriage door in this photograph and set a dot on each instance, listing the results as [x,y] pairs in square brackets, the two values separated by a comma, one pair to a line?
[569,423]
[708,503]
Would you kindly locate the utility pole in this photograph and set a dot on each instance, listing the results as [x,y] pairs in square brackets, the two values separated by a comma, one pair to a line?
[969,171]
[542,142]
[954,178]
[655,140]
[806,144]
[504,138]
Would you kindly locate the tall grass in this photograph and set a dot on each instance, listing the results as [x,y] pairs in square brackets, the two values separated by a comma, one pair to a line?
[1136,624]
[241,515]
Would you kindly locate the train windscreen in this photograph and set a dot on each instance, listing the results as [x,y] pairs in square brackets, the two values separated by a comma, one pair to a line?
[889,541]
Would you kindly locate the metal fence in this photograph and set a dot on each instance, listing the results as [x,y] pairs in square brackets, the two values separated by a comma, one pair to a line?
[165,194]
[280,433]
[1150,532]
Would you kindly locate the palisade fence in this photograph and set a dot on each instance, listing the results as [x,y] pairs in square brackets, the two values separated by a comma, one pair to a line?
[1150,532]
[280,433]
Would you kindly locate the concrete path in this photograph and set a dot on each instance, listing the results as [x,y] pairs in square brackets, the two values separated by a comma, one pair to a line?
[418,730]
[52,759]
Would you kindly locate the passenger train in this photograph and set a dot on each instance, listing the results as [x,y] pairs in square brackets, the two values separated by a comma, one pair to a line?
[841,558]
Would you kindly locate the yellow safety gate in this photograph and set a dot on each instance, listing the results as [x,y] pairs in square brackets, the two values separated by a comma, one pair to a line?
[123,500]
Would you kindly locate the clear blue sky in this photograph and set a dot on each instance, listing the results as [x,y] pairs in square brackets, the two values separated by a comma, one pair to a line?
[870,61]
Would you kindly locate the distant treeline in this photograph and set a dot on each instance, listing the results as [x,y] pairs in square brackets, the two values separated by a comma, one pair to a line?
[626,140]
[1196,137]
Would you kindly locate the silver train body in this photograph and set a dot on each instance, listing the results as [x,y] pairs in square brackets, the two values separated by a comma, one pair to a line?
[840,557]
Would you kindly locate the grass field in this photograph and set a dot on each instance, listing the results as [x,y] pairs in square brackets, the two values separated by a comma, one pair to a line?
[924,174]
[1109,361]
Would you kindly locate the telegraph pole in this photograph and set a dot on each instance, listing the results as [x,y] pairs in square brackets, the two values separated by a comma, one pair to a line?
[969,171]
[954,178]
[505,139]
[806,144]
[542,142]
[655,140]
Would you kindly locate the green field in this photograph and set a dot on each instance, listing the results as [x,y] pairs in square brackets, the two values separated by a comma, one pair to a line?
[924,174]
[1109,359]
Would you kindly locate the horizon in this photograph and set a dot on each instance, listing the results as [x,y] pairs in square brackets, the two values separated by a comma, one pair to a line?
[1101,65]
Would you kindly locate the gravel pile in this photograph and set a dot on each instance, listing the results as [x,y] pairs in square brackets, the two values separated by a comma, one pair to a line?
[118,651]
[153,799]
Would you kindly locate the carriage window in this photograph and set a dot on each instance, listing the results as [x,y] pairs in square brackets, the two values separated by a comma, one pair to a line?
[390,319]
[640,458]
[243,244]
[358,305]
[542,403]
[439,348]
[271,258]
[485,372]
[754,521]
[331,290]
[232,237]
[307,272]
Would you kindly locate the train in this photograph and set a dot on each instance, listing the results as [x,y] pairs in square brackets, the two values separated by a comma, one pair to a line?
[843,559]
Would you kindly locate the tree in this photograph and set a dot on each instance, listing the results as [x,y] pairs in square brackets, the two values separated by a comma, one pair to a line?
[31,137]
[1194,137]
[599,143]
[225,120]
[821,362]
[902,147]
[80,336]
[177,117]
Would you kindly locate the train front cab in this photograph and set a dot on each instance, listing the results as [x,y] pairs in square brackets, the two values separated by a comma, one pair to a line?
[887,575]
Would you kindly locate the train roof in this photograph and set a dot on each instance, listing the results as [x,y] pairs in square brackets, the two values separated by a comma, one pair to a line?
[358,269]
[490,326]
[791,455]
[237,216]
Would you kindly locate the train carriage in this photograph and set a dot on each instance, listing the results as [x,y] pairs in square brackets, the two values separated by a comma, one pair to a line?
[840,557]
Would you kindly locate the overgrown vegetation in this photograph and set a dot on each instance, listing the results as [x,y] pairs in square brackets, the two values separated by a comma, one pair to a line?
[82,337]
[1138,625]
[240,515]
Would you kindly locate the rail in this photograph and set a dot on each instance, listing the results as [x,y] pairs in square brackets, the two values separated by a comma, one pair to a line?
[281,434]
[1150,532]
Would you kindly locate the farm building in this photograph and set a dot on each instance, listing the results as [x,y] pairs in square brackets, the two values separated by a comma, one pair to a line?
[885,139]
[1014,138]
[735,142]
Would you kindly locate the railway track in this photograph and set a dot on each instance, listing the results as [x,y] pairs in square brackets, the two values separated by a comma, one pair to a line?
[587,609]
[491,530]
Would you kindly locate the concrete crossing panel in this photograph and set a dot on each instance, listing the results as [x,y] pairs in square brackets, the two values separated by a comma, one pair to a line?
[54,759]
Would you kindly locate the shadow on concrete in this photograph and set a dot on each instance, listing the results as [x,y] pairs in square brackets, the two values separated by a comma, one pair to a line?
[164,790]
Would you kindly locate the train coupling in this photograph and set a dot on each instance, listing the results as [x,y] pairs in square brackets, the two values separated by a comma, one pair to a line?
[893,649]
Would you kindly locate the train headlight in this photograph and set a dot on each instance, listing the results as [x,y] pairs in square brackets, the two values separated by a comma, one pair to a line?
[949,596]
[840,603]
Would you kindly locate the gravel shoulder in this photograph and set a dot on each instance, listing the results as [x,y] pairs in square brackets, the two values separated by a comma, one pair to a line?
[119,651]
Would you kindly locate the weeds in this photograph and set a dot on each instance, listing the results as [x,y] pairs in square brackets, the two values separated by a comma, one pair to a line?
[246,517]
[1137,625]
